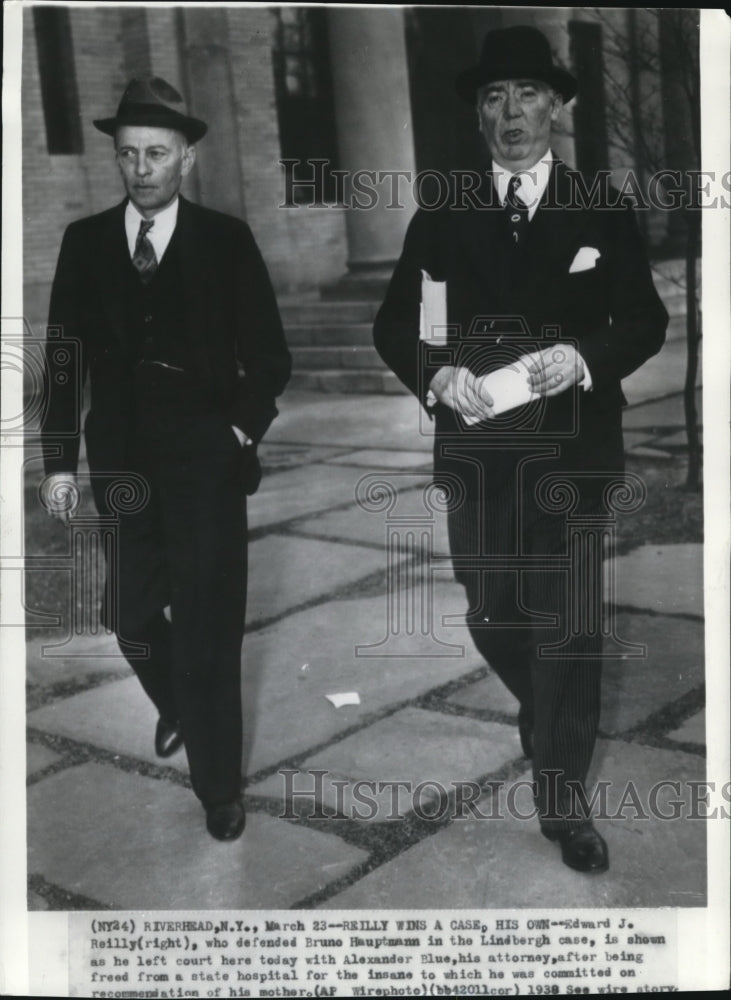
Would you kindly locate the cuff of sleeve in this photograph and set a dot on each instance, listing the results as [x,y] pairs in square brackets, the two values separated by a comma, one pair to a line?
[587,383]
[252,419]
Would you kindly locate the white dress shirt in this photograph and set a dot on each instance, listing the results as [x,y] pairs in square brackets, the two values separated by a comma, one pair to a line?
[533,182]
[159,235]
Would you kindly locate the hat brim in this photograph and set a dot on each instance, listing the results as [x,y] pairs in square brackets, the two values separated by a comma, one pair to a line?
[468,82]
[192,128]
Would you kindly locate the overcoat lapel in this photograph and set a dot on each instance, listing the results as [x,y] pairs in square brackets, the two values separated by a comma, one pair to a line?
[552,233]
[111,265]
[198,272]
[482,239]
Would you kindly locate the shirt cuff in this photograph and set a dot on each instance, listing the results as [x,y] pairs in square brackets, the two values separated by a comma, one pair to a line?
[586,383]
[242,438]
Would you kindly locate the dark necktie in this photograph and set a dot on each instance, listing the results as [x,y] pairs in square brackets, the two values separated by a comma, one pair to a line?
[144,258]
[516,213]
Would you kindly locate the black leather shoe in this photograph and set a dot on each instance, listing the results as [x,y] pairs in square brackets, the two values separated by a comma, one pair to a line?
[168,738]
[226,821]
[582,848]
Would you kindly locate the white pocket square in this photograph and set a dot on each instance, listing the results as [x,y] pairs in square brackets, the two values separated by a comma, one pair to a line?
[584,260]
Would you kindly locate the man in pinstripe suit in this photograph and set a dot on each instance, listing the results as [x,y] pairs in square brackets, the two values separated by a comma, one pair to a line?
[525,258]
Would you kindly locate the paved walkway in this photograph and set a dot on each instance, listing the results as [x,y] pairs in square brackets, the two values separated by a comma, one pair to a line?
[111,826]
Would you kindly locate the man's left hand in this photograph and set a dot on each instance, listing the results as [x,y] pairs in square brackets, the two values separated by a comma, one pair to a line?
[555,370]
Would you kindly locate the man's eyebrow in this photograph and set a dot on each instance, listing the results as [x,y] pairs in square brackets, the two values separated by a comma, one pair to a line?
[146,149]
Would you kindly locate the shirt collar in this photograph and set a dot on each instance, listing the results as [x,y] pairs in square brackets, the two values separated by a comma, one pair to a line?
[161,232]
[533,181]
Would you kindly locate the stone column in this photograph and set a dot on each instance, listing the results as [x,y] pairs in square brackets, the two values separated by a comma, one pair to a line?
[203,39]
[373,116]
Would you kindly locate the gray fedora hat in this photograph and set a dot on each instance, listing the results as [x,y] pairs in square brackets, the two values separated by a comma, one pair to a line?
[152,101]
[517,53]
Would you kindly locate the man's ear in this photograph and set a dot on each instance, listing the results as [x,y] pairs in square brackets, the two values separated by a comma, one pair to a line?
[556,105]
[188,160]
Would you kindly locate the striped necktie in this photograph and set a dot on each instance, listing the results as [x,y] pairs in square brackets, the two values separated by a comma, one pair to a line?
[516,213]
[144,258]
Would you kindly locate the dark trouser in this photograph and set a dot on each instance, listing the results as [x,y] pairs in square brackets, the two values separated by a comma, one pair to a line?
[559,694]
[186,548]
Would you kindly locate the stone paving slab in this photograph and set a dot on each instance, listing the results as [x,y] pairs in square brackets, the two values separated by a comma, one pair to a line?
[633,689]
[662,578]
[285,571]
[506,863]
[358,420]
[285,709]
[693,730]
[48,661]
[488,693]
[142,844]
[358,525]
[37,757]
[380,458]
[304,489]
[119,717]
[415,746]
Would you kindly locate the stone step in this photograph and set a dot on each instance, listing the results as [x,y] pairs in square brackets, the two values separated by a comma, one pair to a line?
[369,287]
[331,335]
[312,358]
[348,381]
[310,312]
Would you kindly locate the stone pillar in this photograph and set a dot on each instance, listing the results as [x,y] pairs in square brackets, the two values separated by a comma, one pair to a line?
[203,38]
[373,116]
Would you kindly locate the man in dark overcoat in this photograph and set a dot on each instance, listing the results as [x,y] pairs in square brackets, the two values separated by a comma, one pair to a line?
[548,281]
[175,327]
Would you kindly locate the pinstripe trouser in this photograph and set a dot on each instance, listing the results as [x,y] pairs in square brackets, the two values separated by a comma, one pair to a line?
[512,613]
